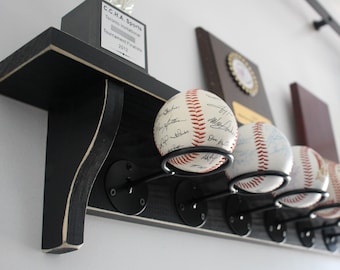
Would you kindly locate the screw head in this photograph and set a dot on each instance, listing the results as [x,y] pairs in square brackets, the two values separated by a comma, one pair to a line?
[113,192]
[181,207]
[128,166]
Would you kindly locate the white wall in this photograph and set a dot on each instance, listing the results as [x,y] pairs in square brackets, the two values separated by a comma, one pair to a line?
[275,34]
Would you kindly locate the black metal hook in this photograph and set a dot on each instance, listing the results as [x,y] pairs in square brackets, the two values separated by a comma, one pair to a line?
[127,188]
[329,237]
[191,203]
[239,215]
[305,230]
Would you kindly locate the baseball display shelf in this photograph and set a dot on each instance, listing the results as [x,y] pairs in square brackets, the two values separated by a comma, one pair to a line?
[101,114]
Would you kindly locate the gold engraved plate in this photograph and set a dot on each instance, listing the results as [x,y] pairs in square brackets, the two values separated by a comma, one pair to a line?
[242,73]
[245,115]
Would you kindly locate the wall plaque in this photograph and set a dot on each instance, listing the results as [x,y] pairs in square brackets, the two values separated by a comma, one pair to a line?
[313,123]
[235,78]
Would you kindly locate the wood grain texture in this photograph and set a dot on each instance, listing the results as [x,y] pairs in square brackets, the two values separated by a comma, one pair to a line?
[313,122]
[80,135]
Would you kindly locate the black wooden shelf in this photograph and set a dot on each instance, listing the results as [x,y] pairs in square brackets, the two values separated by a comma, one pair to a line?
[101,111]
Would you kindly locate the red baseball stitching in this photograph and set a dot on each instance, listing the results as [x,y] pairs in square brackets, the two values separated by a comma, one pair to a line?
[307,167]
[262,156]
[336,187]
[307,173]
[198,125]
[336,184]
[328,213]
[294,198]
[233,145]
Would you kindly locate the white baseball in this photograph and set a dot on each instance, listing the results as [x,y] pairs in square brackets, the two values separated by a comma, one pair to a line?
[195,118]
[309,171]
[334,192]
[260,147]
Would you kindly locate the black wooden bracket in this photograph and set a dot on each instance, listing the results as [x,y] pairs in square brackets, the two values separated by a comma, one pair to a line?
[83,91]
[80,136]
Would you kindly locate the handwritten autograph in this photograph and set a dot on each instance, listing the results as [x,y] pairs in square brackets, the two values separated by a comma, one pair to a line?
[223,110]
[179,133]
[171,109]
[169,122]
[217,123]
[218,141]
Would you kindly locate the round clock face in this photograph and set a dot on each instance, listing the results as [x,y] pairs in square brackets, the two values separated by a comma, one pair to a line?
[242,73]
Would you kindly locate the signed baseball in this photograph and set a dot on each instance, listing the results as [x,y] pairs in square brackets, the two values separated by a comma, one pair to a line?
[333,191]
[309,171]
[195,118]
[260,147]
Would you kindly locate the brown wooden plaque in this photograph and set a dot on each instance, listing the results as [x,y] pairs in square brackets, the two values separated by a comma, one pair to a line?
[313,123]
[234,78]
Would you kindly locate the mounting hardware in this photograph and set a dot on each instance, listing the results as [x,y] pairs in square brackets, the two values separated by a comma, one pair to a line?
[126,186]
[306,234]
[274,223]
[191,211]
[125,196]
[187,196]
[330,239]
[238,220]
[276,230]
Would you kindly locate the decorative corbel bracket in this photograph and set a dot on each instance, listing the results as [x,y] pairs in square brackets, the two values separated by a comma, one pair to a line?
[83,90]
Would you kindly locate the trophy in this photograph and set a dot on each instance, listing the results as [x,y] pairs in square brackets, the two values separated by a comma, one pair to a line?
[108,26]
[125,5]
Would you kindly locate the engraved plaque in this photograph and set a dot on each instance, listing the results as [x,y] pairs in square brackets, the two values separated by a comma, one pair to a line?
[234,78]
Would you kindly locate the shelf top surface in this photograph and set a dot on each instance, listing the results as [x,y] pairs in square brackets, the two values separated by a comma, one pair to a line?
[53,64]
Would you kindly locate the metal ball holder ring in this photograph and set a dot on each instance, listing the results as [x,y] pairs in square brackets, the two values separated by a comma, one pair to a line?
[237,179]
[169,169]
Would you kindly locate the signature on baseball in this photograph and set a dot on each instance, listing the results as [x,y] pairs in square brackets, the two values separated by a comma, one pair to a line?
[217,122]
[170,109]
[171,121]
